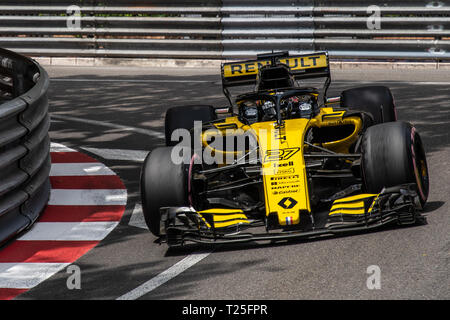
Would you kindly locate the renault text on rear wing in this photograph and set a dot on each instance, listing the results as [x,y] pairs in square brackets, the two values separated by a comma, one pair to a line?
[301,66]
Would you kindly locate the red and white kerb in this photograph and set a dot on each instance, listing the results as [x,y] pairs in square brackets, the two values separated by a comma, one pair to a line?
[87,201]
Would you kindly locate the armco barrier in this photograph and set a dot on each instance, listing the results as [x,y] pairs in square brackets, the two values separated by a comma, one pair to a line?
[24,143]
[226,29]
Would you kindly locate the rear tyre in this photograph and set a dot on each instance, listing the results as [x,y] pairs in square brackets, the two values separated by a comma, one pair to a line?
[375,100]
[393,154]
[183,118]
[163,183]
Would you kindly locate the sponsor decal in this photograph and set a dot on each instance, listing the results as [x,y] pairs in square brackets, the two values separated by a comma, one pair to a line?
[287,203]
[289,179]
[280,154]
[286,164]
[283,168]
[294,64]
[284,171]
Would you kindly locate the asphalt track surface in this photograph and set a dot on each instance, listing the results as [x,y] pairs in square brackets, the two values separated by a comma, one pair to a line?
[123,108]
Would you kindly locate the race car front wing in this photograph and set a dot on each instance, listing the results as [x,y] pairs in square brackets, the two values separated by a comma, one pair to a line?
[357,213]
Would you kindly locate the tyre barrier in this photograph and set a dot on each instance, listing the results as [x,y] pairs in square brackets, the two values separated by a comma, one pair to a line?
[24,143]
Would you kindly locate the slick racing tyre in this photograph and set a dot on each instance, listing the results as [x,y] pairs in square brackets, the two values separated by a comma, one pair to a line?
[393,154]
[375,100]
[183,118]
[163,183]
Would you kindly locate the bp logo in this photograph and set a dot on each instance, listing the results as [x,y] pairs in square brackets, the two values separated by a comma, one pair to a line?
[287,203]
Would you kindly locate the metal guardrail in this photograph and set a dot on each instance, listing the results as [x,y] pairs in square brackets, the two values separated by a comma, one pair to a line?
[24,143]
[227,28]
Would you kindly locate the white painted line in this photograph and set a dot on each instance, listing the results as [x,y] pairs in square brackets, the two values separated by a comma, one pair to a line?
[152,133]
[27,275]
[164,276]
[119,154]
[80,169]
[137,217]
[438,83]
[129,80]
[69,231]
[57,147]
[88,197]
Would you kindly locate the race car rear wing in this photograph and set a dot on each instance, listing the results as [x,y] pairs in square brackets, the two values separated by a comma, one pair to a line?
[244,73]
[241,73]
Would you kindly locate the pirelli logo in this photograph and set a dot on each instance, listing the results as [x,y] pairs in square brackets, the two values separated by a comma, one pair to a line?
[294,64]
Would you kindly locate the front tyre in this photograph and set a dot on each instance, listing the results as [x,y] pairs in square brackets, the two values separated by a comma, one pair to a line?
[163,184]
[393,154]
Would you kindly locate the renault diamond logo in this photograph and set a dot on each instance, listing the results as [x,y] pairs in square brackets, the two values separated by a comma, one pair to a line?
[287,203]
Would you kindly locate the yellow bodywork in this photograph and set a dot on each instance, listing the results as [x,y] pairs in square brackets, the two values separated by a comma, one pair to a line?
[281,150]
[283,168]
[330,118]
[222,218]
[353,205]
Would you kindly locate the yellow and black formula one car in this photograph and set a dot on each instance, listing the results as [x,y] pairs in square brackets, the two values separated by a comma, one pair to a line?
[283,161]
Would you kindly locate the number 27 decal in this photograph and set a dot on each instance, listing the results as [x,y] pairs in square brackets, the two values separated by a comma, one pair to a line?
[280,154]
